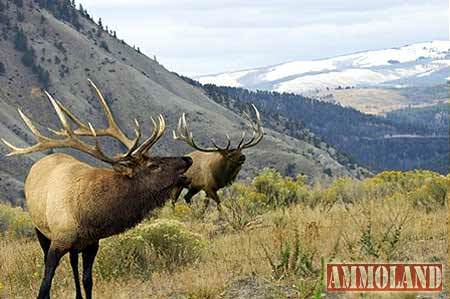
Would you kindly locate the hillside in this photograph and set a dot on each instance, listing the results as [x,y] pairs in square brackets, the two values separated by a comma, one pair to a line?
[399,141]
[52,45]
[371,81]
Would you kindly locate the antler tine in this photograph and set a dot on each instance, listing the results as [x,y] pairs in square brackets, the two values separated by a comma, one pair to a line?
[258,132]
[137,131]
[157,133]
[45,143]
[185,135]
[242,140]
[219,147]
[73,141]
[112,130]
[40,138]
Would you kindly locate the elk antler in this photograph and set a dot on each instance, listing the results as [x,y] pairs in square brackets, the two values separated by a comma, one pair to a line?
[185,135]
[134,152]
[71,139]
[258,132]
[158,131]
[113,130]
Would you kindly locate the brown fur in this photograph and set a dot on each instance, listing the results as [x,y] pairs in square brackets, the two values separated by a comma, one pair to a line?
[211,172]
[73,205]
[76,204]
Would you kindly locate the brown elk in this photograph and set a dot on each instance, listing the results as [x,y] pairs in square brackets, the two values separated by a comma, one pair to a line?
[73,205]
[214,168]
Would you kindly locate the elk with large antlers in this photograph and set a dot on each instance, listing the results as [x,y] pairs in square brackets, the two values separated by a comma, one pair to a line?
[215,168]
[73,205]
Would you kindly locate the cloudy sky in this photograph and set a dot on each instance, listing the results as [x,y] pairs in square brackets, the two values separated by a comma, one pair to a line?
[197,37]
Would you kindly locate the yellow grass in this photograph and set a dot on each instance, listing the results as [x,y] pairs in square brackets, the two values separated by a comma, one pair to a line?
[334,233]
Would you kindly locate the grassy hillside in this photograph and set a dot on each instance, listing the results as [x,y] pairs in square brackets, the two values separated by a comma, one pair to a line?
[52,45]
[270,242]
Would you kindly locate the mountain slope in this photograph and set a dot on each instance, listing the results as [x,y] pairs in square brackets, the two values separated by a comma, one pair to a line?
[418,139]
[421,64]
[50,44]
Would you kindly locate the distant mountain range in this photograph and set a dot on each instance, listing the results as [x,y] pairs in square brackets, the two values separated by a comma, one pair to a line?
[420,64]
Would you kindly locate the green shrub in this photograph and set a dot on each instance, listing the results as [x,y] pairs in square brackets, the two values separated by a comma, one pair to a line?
[15,222]
[278,190]
[162,244]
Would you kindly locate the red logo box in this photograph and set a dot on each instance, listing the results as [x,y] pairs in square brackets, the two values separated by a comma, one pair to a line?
[384,277]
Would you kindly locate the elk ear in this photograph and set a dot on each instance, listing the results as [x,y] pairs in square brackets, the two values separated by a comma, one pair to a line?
[124,170]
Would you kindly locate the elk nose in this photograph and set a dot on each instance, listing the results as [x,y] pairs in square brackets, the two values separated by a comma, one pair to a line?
[242,159]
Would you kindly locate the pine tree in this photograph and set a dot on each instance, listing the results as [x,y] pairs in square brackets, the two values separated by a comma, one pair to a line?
[20,40]
[2,69]
[28,57]
[100,24]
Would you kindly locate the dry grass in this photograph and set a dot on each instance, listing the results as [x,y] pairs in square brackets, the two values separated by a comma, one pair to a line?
[370,230]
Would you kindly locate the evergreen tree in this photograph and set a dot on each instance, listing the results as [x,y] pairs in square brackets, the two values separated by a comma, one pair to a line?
[28,57]
[20,40]
[2,69]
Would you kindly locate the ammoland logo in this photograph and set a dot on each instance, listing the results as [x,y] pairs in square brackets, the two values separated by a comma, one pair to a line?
[384,277]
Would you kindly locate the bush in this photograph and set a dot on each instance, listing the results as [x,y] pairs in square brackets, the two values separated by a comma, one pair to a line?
[15,222]
[292,261]
[242,206]
[279,190]
[162,244]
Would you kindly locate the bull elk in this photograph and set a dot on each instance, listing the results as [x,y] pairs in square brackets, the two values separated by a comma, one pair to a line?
[217,167]
[73,205]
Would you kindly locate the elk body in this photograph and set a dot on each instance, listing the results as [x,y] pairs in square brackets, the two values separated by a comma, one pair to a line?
[73,205]
[215,168]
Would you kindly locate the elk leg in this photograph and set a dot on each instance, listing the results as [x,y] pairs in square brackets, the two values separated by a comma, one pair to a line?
[175,195]
[88,254]
[213,195]
[44,242]
[190,194]
[76,275]
[54,255]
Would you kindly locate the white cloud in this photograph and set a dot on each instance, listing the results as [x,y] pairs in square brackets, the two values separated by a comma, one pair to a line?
[198,37]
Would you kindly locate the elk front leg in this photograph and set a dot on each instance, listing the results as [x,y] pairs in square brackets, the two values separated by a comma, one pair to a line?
[212,195]
[190,194]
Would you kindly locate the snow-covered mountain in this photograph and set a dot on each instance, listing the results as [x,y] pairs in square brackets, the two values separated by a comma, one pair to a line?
[420,64]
